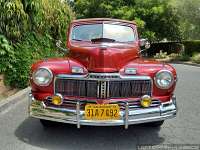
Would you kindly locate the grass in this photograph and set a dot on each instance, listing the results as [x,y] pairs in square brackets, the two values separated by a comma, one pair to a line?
[196,58]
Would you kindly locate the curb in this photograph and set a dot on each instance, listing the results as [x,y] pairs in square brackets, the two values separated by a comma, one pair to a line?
[180,62]
[5,103]
[185,63]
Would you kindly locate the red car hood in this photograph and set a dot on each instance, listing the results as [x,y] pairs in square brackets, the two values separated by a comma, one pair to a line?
[103,57]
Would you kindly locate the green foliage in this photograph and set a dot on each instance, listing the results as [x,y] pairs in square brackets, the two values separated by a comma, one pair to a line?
[161,55]
[7,55]
[51,17]
[196,57]
[27,30]
[182,57]
[41,16]
[191,47]
[14,20]
[156,19]
[27,52]
[172,56]
[189,11]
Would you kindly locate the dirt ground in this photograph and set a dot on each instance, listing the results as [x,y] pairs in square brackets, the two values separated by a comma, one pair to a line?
[5,91]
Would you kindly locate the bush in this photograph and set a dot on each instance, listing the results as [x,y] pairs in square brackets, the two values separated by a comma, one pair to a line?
[192,47]
[183,57]
[40,16]
[26,53]
[28,29]
[172,56]
[7,55]
[169,47]
[14,20]
[161,55]
[196,58]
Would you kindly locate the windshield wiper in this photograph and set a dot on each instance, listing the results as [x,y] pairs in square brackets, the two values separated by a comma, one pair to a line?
[77,39]
[102,40]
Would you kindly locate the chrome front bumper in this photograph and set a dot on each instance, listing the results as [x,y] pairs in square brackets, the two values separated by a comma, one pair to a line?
[37,109]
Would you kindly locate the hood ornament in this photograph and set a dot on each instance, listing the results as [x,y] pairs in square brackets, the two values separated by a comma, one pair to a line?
[103,47]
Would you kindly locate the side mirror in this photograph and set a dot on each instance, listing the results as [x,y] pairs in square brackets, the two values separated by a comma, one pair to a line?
[58,44]
[144,43]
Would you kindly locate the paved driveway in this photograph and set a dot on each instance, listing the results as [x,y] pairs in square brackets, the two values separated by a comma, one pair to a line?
[17,131]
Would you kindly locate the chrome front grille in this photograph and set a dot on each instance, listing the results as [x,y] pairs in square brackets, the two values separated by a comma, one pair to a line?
[103,87]
[77,88]
[129,88]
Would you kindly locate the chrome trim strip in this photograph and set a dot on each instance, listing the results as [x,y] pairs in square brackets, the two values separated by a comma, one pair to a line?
[98,89]
[78,114]
[87,77]
[108,87]
[136,77]
[54,85]
[126,115]
[104,74]
[71,76]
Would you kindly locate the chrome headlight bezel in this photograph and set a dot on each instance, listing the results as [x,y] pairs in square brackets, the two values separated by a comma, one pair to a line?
[50,76]
[166,72]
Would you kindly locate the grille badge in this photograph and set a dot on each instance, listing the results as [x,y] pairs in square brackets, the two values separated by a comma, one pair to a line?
[103,89]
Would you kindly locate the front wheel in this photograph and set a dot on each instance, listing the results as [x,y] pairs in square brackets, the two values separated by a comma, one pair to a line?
[154,124]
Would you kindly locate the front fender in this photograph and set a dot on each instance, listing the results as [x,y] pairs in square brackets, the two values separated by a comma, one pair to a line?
[57,66]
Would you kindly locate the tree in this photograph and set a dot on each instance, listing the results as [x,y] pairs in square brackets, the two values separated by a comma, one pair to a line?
[19,17]
[156,19]
[189,11]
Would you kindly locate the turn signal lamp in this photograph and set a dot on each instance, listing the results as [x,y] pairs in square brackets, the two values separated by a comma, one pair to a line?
[145,101]
[57,99]
[77,70]
[130,71]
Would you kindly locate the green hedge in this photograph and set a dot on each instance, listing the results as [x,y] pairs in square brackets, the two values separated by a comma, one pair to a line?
[192,47]
[168,47]
[16,59]
[28,30]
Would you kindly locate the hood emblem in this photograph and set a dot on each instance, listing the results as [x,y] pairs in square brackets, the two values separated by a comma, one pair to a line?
[103,47]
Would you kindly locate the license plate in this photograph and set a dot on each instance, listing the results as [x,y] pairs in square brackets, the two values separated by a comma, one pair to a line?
[102,112]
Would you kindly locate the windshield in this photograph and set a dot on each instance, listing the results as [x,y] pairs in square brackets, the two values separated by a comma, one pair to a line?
[118,33]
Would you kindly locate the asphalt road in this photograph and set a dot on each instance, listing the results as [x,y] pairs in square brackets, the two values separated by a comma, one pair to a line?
[18,132]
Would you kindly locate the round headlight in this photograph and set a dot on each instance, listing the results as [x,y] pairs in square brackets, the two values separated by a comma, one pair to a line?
[164,79]
[42,77]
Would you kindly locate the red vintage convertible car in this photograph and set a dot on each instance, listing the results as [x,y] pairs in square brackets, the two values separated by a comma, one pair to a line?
[103,81]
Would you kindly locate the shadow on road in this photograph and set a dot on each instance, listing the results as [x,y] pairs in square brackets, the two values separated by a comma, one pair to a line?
[65,136]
